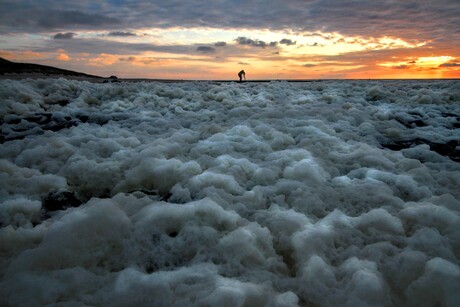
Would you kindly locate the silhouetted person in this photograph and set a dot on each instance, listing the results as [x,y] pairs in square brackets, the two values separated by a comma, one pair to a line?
[242,75]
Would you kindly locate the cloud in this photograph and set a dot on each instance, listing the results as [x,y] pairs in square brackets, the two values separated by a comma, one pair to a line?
[127,59]
[35,16]
[23,55]
[434,21]
[140,60]
[287,42]
[67,35]
[322,21]
[316,44]
[63,57]
[431,20]
[58,19]
[450,65]
[243,63]
[309,65]
[103,59]
[254,42]
[97,46]
[119,33]
[401,67]
[206,49]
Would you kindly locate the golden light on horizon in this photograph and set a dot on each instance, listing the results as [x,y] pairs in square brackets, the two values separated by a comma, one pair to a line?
[432,62]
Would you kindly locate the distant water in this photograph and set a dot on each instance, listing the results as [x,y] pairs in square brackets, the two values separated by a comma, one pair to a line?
[329,193]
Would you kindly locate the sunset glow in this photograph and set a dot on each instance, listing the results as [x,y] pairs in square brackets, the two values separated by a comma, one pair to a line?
[300,41]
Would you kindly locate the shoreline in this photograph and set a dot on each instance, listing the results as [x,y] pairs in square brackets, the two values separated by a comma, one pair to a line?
[97,79]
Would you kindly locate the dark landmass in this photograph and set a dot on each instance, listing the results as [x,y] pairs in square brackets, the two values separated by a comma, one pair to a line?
[27,69]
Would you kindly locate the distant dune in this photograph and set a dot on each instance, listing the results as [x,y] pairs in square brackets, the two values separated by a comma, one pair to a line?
[20,70]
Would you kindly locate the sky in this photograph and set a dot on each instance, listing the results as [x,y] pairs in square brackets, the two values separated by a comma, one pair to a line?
[194,39]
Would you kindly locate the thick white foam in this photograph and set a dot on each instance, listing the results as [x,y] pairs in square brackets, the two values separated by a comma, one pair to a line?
[201,193]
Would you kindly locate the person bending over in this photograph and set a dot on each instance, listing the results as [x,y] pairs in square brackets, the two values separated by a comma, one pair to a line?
[242,75]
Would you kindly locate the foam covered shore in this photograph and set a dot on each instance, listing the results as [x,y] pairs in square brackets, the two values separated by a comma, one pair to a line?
[332,193]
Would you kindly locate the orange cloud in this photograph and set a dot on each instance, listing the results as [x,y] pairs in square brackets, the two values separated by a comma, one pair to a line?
[103,59]
[63,57]
[21,56]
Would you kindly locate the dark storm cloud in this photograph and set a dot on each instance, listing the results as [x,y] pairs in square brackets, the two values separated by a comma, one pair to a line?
[450,65]
[424,19]
[254,42]
[220,44]
[57,19]
[97,46]
[119,33]
[67,35]
[205,49]
[287,42]
[36,16]
[413,20]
